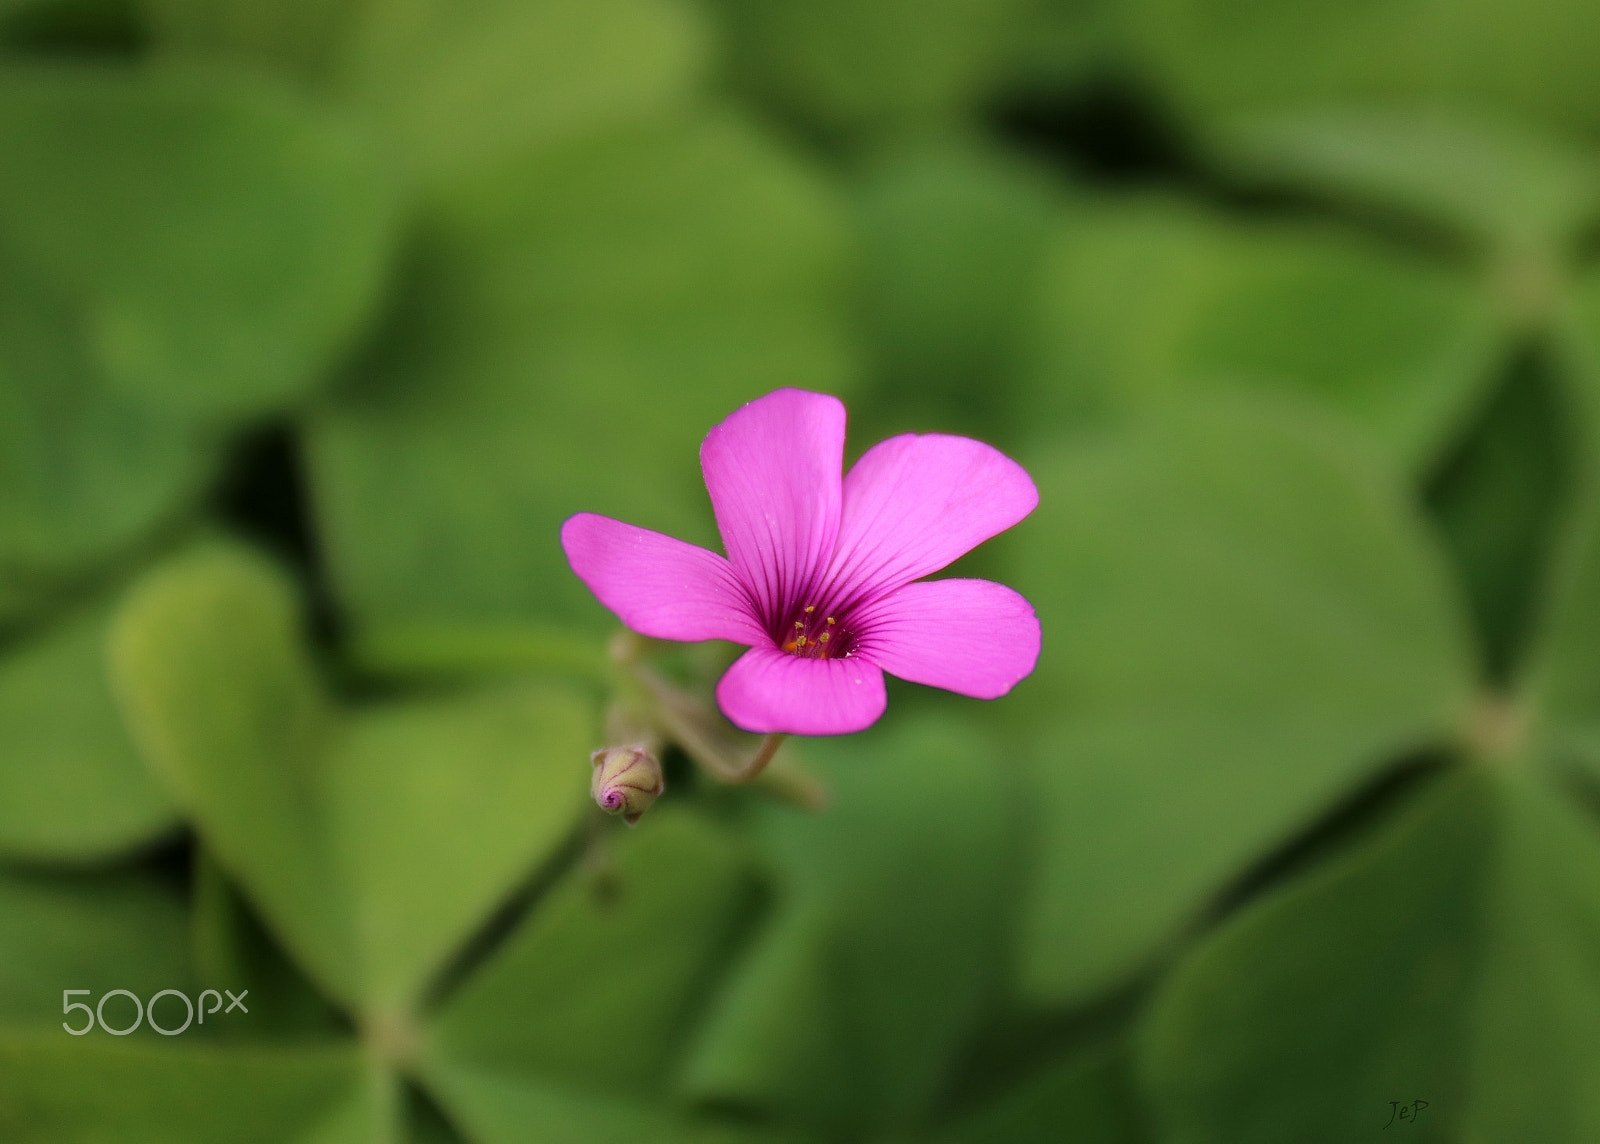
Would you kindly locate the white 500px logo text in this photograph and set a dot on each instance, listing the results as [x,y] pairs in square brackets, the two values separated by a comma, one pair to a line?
[96,1016]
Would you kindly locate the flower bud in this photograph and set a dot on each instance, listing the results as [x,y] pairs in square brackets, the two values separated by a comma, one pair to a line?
[626,781]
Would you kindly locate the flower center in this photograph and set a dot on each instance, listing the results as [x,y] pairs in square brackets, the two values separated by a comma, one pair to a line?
[814,635]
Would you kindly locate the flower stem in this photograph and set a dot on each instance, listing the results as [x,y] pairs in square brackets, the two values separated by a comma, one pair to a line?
[690,723]
[769,747]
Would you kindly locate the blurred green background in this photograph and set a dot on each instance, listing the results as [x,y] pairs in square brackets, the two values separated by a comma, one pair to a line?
[318,316]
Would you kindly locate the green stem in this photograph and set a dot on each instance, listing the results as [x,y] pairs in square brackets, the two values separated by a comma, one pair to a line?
[698,729]
[763,756]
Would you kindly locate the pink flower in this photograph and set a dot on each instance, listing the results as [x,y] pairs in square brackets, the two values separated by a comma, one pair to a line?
[821,580]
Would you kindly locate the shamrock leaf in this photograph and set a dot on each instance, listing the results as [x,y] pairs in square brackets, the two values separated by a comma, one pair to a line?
[578,1023]
[850,1009]
[373,840]
[646,282]
[222,239]
[96,932]
[1450,961]
[1142,306]
[72,785]
[460,86]
[56,1089]
[1247,621]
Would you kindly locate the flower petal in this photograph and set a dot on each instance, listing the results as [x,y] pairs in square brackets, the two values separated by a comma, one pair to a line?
[659,586]
[767,691]
[914,503]
[974,637]
[772,469]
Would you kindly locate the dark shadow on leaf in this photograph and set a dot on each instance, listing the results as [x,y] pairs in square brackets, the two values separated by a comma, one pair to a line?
[75,29]
[1356,818]
[1497,499]
[264,495]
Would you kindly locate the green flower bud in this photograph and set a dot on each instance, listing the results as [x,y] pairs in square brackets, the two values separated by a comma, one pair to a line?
[626,781]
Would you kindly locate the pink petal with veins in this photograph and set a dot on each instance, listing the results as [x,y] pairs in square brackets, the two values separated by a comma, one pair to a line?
[657,585]
[772,469]
[769,691]
[974,637]
[912,504]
